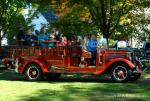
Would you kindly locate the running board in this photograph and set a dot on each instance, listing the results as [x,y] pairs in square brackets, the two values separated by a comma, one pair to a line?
[57,68]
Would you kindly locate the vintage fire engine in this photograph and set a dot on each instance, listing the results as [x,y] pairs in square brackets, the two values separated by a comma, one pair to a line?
[36,62]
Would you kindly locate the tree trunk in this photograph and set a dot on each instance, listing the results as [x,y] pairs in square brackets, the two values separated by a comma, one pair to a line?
[0,37]
[107,43]
[106,36]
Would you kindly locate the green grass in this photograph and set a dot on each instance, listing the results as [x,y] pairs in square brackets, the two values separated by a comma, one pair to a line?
[14,88]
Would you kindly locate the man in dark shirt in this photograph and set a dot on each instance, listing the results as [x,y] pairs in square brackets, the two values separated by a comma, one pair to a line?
[21,38]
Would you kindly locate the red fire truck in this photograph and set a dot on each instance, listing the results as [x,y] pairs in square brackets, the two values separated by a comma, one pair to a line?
[36,62]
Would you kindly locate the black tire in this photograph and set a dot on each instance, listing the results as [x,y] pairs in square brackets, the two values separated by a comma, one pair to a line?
[33,72]
[135,77]
[120,73]
[52,76]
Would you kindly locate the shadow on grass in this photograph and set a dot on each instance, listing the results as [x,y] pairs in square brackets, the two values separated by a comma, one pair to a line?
[91,93]
[10,75]
[84,89]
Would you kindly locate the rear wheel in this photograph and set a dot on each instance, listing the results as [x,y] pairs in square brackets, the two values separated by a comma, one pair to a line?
[120,73]
[33,72]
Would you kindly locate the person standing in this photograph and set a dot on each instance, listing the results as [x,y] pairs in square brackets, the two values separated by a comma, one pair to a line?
[20,38]
[58,36]
[52,41]
[63,41]
[28,38]
[42,37]
[35,38]
[92,48]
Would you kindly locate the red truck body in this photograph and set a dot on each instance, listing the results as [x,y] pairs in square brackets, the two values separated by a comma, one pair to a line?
[34,62]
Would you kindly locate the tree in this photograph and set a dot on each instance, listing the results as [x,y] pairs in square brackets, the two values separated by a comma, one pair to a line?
[107,14]
[8,12]
[56,5]
[110,16]
[18,21]
[73,23]
[141,26]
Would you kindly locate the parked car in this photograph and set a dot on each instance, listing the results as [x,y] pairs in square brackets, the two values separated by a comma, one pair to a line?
[146,50]
[5,58]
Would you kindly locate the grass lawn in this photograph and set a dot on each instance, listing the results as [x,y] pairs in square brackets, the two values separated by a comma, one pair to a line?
[14,88]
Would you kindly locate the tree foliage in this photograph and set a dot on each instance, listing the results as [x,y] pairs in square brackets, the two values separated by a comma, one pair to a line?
[113,16]
[122,18]
[74,22]
[9,9]
[18,22]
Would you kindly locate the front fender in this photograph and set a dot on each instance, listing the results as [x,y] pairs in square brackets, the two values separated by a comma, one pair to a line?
[41,63]
[113,61]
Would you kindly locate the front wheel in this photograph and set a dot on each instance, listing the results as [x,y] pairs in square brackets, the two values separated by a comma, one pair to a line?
[33,72]
[120,73]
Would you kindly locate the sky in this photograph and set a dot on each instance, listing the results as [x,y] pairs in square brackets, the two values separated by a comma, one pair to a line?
[38,22]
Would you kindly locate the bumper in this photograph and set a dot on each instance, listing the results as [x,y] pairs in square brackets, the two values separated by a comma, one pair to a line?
[145,62]
[137,71]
